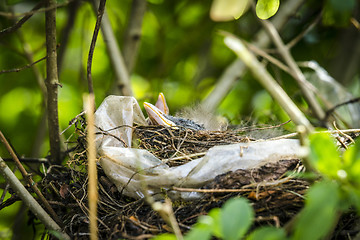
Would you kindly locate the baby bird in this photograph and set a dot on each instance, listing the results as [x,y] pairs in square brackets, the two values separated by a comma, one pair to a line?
[200,119]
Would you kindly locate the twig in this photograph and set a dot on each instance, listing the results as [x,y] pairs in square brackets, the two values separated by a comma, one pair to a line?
[100,14]
[29,200]
[22,68]
[133,33]
[18,24]
[92,171]
[237,68]
[52,82]
[122,84]
[305,86]
[28,178]
[30,13]
[267,81]
[270,58]
[303,33]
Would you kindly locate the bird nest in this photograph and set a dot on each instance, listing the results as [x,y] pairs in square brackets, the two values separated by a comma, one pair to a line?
[275,196]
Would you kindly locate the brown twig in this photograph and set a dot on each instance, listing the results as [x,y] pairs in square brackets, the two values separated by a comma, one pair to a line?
[304,85]
[22,68]
[30,13]
[18,24]
[92,171]
[100,14]
[29,200]
[29,179]
[52,82]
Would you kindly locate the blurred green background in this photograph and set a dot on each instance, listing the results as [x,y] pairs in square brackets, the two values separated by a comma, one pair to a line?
[181,54]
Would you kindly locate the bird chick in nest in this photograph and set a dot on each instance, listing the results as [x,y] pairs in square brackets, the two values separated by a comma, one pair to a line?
[196,118]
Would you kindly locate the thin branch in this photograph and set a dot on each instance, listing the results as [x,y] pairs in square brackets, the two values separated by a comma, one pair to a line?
[303,33]
[18,24]
[92,171]
[237,68]
[34,206]
[306,88]
[30,13]
[29,179]
[22,68]
[133,33]
[122,85]
[100,14]
[52,82]
[267,81]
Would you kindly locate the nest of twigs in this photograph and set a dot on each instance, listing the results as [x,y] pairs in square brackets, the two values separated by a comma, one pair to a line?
[275,196]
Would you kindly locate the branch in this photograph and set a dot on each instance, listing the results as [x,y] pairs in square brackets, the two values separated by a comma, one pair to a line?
[267,81]
[20,22]
[133,33]
[22,68]
[305,86]
[100,14]
[237,68]
[30,13]
[122,85]
[33,205]
[52,82]
[92,171]
[28,178]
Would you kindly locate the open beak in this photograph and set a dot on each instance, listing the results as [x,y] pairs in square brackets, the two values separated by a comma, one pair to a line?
[161,104]
[157,116]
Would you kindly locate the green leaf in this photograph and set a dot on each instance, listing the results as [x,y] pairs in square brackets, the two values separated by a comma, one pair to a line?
[268,233]
[236,218]
[215,214]
[202,230]
[320,212]
[267,8]
[227,10]
[324,155]
[165,236]
[352,162]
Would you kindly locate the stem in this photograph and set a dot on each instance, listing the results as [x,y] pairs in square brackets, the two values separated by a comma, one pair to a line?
[268,82]
[33,205]
[52,82]
[92,171]
[122,85]
[28,178]
[100,14]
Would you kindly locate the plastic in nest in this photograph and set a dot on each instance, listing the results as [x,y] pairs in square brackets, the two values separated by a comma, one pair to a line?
[130,168]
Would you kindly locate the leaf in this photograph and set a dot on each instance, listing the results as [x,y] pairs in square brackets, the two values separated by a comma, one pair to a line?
[324,155]
[267,233]
[267,8]
[352,162]
[202,230]
[338,12]
[236,218]
[215,214]
[320,212]
[165,236]
[227,10]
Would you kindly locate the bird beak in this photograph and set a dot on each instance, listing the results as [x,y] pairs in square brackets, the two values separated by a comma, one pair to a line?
[161,104]
[157,116]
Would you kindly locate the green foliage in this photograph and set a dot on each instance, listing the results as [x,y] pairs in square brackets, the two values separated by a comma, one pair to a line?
[236,218]
[268,233]
[267,8]
[338,12]
[320,213]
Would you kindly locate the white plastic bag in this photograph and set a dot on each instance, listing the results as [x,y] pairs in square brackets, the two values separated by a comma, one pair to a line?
[135,171]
